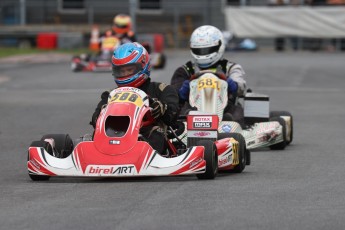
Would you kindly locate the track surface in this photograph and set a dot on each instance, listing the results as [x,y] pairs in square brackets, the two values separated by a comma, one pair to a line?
[301,187]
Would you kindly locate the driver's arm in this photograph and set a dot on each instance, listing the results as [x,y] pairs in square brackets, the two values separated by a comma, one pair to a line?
[169,97]
[104,101]
[180,75]
[237,74]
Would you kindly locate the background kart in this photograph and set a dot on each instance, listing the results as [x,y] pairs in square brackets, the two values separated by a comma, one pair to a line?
[117,149]
[101,62]
[208,92]
[90,62]
[158,58]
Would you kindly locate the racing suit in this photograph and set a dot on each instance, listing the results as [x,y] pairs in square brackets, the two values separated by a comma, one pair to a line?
[109,43]
[127,37]
[165,94]
[232,70]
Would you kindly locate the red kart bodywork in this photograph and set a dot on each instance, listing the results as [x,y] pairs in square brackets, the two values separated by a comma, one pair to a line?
[98,64]
[115,150]
[204,125]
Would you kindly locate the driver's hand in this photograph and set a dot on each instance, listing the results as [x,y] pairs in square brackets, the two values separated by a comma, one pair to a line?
[158,109]
[184,91]
[232,86]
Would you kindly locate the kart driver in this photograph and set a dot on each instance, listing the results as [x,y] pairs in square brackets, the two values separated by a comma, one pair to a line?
[122,27]
[109,42]
[207,47]
[131,68]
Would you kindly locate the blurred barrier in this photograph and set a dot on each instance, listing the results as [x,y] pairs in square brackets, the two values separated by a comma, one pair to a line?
[156,41]
[312,22]
[69,40]
[47,40]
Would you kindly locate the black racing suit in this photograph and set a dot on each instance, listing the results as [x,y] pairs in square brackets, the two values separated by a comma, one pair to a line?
[164,93]
[127,37]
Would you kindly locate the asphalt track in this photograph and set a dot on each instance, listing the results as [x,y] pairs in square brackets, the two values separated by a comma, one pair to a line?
[301,187]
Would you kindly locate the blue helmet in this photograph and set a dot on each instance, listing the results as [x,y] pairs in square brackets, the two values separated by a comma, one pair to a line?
[131,65]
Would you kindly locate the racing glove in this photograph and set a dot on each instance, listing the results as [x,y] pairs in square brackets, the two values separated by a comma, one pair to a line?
[184,91]
[158,109]
[232,86]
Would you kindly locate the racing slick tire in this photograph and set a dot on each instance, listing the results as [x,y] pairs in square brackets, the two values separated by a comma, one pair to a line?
[162,61]
[287,114]
[76,66]
[280,145]
[211,157]
[63,144]
[47,147]
[243,152]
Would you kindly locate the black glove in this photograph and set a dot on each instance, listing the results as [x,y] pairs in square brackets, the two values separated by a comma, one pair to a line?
[158,109]
[100,105]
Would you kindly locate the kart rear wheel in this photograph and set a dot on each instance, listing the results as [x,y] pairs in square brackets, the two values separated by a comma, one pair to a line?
[211,157]
[76,67]
[63,144]
[280,145]
[44,145]
[287,114]
[162,61]
[243,153]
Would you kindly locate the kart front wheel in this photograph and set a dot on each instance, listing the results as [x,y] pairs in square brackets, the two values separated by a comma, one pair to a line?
[44,145]
[211,158]
[239,138]
[243,153]
[63,144]
[76,67]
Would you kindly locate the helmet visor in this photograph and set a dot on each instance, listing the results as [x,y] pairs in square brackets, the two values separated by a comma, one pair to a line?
[206,50]
[126,70]
[121,26]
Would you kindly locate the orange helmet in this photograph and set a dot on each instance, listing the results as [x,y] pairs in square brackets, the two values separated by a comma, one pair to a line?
[122,24]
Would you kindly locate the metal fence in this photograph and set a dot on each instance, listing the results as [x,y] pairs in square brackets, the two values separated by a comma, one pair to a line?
[175,19]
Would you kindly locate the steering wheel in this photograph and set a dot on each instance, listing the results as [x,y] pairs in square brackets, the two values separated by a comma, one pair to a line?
[177,130]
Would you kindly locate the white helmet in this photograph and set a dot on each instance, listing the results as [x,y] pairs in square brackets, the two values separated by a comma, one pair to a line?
[207,45]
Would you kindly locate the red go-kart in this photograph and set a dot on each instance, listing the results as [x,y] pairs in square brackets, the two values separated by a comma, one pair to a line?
[101,62]
[117,149]
[93,63]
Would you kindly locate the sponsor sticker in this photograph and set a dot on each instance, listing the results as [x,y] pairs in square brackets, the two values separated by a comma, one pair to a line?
[225,160]
[202,122]
[111,170]
[35,163]
[202,134]
[195,162]
[226,128]
[251,143]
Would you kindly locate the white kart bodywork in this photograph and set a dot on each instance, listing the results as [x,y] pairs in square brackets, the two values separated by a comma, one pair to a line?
[208,93]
